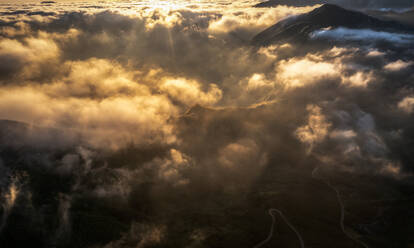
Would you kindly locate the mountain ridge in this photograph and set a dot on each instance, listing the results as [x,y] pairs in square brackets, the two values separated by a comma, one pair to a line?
[298,28]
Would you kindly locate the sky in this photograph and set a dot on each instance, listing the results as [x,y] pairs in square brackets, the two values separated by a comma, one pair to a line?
[126,117]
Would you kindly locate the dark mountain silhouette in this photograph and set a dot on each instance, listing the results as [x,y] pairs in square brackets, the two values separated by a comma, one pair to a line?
[299,3]
[298,28]
[352,4]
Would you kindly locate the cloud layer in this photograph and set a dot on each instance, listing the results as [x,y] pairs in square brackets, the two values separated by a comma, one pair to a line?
[133,125]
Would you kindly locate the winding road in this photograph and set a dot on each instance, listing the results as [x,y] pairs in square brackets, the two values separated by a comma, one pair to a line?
[302,244]
[342,207]
[272,227]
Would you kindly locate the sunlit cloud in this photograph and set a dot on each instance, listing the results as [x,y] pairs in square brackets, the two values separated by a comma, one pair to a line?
[407,104]
[397,65]
[315,130]
[123,117]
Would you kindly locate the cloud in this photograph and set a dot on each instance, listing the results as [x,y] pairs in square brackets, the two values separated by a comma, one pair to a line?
[374,53]
[407,104]
[299,72]
[140,235]
[397,65]
[9,200]
[241,153]
[362,35]
[124,118]
[342,134]
[252,19]
[95,78]
[81,102]
[316,129]
[171,169]
[27,59]
[189,92]
[314,68]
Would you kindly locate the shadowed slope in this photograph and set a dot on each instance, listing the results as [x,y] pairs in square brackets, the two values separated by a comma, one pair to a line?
[298,28]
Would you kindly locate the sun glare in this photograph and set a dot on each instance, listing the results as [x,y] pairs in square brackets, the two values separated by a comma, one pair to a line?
[165,5]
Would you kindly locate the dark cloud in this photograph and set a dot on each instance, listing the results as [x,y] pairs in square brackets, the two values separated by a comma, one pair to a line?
[17,12]
[10,64]
[401,16]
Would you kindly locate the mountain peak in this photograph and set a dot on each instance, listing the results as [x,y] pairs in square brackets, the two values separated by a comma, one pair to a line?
[330,7]
[326,16]
[333,15]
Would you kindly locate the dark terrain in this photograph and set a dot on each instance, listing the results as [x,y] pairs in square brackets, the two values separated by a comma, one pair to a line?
[378,210]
